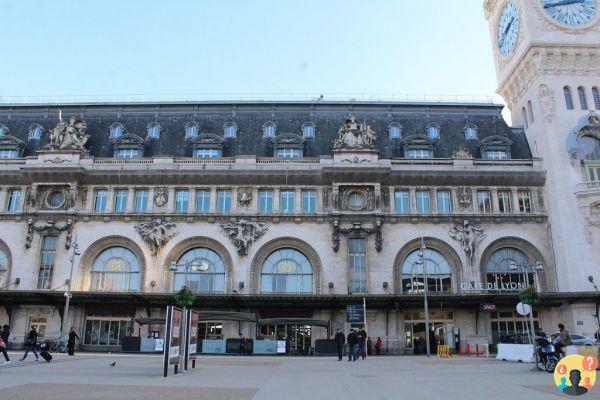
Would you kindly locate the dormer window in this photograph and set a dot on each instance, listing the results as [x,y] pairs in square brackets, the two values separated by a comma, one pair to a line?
[433,131]
[230,130]
[419,153]
[208,145]
[395,130]
[470,132]
[418,146]
[288,145]
[128,153]
[308,130]
[129,146]
[269,130]
[191,130]
[495,147]
[35,131]
[495,155]
[153,130]
[10,146]
[116,130]
[288,153]
[207,153]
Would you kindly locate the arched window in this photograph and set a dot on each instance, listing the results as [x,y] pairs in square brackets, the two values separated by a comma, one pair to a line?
[596,96]
[153,130]
[395,130]
[308,130]
[589,148]
[524,116]
[568,97]
[116,130]
[530,111]
[230,130]
[582,98]
[116,269]
[501,275]
[205,271]
[191,130]
[470,132]
[3,268]
[433,131]
[35,131]
[286,271]
[437,269]
[269,130]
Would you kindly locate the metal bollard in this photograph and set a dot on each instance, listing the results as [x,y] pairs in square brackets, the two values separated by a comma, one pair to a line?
[175,369]
[193,363]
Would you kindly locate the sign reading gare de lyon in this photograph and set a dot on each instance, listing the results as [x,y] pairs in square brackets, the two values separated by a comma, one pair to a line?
[492,286]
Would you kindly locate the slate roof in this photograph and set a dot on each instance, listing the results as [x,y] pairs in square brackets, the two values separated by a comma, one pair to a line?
[250,117]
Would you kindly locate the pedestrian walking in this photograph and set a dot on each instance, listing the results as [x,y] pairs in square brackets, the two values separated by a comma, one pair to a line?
[378,345]
[340,340]
[242,347]
[31,344]
[352,340]
[563,340]
[71,342]
[4,335]
[369,346]
[361,339]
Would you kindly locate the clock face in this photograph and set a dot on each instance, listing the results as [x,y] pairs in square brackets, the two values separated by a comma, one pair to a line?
[508,29]
[570,12]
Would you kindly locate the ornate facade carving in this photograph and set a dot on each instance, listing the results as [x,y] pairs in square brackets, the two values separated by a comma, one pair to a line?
[356,228]
[469,236]
[465,197]
[354,135]
[244,197]
[68,136]
[350,198]
[49,227]
[52,197]
[547,102]
[243,233]
[161,196]
[592,219]
[462,154]
[156,233]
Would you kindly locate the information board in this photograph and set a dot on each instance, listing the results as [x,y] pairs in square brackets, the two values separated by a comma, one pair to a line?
[355,314]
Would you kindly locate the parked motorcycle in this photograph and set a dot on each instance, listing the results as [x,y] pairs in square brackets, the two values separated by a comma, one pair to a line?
[547,354]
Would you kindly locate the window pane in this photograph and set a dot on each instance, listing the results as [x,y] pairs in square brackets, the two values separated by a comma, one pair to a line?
[208,153]
[286,201]
[568,98]
[265,201]
[202,201]
[402,202]
[309,201]
[524,201]
[47,253]
[182,198]
[100,200]
[141,200]
[444,202]
[121,200]
[504,202]
[484,203]
[423,202]
[223,201]
[596,96]
[14,200]
[357,265]
[582,98]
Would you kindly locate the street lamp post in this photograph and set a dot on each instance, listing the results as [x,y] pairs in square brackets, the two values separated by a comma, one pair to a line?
[74,252]
[421,261]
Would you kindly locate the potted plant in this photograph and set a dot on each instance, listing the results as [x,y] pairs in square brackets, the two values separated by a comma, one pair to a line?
[529,296]
[185,297]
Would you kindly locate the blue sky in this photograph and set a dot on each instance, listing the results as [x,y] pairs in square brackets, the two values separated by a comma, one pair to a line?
[224,47]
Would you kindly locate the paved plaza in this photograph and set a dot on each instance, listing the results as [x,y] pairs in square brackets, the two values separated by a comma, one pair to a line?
[91,377]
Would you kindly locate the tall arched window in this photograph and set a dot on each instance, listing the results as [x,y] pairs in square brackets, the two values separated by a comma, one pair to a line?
[501,276]
[205,271]
[286,271]
[191,130]
[116,269]
[153,130]
[437,269]
[470,131]
[308,130]
[596,96]
[568,97]
[269,130]
[524,116]
[395,130]
[530,111]
[116,130]
[582,98]
[433,131]
[35,131]
[589,148]
[3,268]
[230,130]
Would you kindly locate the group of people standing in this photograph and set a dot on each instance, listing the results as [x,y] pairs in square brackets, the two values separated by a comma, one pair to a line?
[359,344]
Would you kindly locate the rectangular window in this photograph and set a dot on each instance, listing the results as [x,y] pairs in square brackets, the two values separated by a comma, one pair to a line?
[286,201]
[504,201]
[47,253]
[524,201]
[484,201]
[14,200]
[444,202]
[182,200]
[419,153]
[100,198]
[202,201]
[309,201]
[121,200]
[357,265]
[223,201]
[141,200]
[423,201]
[495,155]
[402,201]
[128,153]
[265,201]
[287,153]
[208,153]
[8,153]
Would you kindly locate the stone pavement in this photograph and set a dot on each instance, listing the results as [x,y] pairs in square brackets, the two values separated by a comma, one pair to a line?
[90,377]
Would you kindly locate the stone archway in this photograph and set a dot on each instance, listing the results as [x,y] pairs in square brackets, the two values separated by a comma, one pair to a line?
[199,241]
[431,243]
[98,247]
[279,243]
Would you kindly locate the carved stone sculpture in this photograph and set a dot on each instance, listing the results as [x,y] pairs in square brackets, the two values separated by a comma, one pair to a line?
[49,227]
[354,135]
[462,154]
[243,233]
[357,229]
[244,197]
[156,233]
[161,196]
[547,102]
[68,136]
[469,236]
[465,197]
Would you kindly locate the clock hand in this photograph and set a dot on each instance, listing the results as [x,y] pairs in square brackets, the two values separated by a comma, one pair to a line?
[563,3]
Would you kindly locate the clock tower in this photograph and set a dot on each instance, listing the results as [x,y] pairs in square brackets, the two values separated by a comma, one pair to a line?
[547,57]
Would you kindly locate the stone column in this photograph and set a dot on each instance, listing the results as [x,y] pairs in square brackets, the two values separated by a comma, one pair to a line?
[212,208]
[276,204]
[392,198]
[130,200]
[192,202]
[150,205]
[474,201]
[110,200]
[297,201]
[433,201]
[412,199]
[319,206]
[454,201]
[495,206]
[515,197]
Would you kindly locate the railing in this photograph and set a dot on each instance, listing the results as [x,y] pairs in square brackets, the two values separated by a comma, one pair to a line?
[122,161]
[192,160]
[271,160]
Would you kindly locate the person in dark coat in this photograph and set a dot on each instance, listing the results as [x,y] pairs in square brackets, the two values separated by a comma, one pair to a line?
[378,346]
[362,337]
[352,340]
[242,348]
[71,342]
[31,345]
[4,335]
[340,340]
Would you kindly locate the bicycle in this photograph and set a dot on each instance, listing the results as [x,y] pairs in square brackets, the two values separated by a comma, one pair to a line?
[57,346]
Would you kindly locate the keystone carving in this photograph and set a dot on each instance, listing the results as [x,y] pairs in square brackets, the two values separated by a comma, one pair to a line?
[243,233]
[156,233]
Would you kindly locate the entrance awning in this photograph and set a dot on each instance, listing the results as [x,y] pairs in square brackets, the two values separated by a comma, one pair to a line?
[226,316]
[294,321]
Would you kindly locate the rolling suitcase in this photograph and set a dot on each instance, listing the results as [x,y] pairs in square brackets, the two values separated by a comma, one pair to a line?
[46,356]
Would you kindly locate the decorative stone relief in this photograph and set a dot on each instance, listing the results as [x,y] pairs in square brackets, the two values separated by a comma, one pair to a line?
[592,218]
[156,233]
[68,136]
[547,102]
[53,197]
[161,196]
[357,228]
[357,199]
[465,197]
[469,236]
[243,233]
[49,227]
[354,135]
[244,197]
[462,154]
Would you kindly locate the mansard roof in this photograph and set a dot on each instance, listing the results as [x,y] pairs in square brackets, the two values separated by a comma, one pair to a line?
[289,117]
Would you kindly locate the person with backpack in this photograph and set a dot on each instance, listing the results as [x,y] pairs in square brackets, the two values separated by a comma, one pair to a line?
[563,340]
[4,343]
[31,345]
